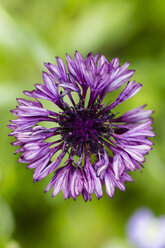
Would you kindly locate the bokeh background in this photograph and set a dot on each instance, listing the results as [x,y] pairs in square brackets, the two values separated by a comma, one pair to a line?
[35,31]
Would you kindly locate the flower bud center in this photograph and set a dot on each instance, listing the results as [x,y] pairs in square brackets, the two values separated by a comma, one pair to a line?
[82,128]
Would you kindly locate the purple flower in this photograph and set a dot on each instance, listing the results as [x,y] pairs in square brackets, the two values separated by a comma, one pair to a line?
[144,230]
[83,128]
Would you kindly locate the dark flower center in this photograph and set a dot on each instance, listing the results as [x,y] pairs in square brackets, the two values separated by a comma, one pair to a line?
[83,129]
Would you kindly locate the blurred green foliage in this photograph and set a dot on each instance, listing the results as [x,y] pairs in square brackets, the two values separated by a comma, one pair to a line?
[32,32]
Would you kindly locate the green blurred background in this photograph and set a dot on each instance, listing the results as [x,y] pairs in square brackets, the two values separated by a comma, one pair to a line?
[34,31]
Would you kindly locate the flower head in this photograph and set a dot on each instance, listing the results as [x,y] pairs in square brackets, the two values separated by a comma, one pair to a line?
[82,129]
[145,230]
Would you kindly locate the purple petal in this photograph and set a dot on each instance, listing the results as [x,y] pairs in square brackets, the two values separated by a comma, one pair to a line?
[118,166]
[54,70]
[135,115]
[109,187]
[62,69]
[70,65]
[50,84]
[130,90]
[117,82]
[114,63]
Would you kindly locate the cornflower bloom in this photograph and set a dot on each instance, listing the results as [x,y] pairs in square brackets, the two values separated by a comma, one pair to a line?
[86,128]
[144,230]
